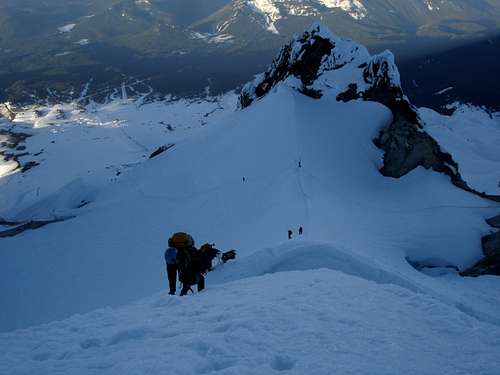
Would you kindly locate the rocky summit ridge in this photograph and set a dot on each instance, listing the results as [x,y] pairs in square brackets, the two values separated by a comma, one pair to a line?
[318,61]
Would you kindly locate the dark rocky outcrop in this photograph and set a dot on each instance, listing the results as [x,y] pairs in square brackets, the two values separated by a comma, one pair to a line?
[29,165]
[160,150]
[7,223]
[490,264]
[487,266]
[12,139]
[422,266]
[313,49]
[19,228]
[406,146]
[491,244]
[494,222]
[60,114]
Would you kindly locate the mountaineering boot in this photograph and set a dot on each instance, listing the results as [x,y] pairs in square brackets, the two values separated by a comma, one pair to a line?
[201,283]
[185,289]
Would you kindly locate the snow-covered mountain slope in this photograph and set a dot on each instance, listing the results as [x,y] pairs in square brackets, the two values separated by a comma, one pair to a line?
[472,136]
[284,161]
[317,321]
[79,149]
[111,252]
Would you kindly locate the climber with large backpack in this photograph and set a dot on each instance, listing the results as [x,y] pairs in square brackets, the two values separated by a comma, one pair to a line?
[189,262]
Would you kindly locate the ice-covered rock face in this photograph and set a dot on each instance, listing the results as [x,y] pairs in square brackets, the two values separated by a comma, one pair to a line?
[305,62]
[319,61]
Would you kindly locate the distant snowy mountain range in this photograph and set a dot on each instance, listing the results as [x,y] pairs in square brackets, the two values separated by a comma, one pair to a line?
[180,46]
[421,14]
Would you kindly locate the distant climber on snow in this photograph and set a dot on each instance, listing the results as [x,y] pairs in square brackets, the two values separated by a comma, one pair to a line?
[301,231]
[290,234]
[171,261]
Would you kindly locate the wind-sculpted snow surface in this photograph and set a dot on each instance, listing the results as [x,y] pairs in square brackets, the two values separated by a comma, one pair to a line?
[305,255]
[301,322]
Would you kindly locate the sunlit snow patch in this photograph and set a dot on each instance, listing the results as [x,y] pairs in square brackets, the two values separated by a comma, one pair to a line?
[83,42]
[66,28]
[7,166]
[66,53]
[352,7]
[223,38]
[211,38]
[431,6]
[269,11]
[444,91]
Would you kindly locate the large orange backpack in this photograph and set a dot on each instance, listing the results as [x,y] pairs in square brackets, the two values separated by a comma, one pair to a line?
[181,241]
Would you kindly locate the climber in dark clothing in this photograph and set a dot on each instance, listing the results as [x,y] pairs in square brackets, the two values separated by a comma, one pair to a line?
[208,253]
[201,264]
[189,264]
[170,260]
[290,234]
